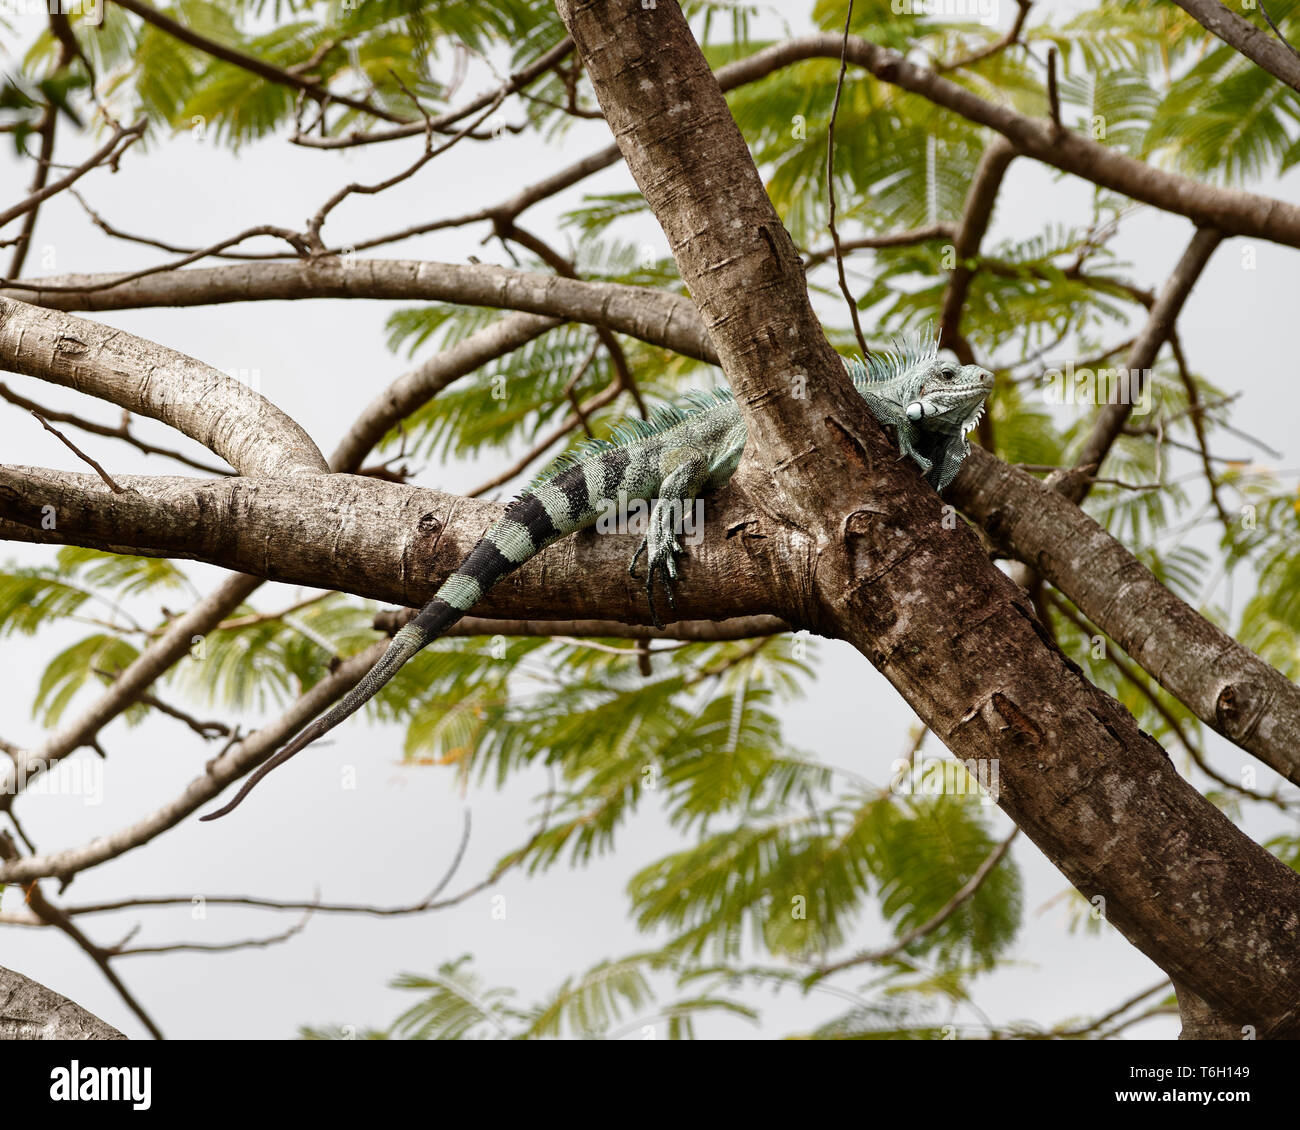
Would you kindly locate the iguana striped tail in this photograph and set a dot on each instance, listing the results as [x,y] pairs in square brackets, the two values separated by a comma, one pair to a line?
[535,520]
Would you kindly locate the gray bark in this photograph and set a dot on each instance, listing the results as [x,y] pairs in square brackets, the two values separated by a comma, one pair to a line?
[30,1011]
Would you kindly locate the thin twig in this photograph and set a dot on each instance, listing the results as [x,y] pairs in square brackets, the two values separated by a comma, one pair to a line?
[121,432]
[1198,427]
[607,395]
[830,187]
[107,154]
[571,387]
[1277,30]
[292,237]
[1053,95]
[206,730]
[508,229]
[315,224]
[1009,40]
[874,242]
[1117,1011]
[515,83]
[248,63]
[936,920]
[57,918]
[725,665]
[22,834]
[80,454]
[22,244]
[215,947]
[255,618]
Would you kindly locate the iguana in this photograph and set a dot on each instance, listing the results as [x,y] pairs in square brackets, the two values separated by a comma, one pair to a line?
[685,450]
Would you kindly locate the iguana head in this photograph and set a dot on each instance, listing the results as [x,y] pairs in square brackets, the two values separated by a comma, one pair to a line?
[948,397]
[930,401]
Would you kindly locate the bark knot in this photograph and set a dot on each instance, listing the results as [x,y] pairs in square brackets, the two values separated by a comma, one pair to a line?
[1239,708]
[1024,731]
[69,346]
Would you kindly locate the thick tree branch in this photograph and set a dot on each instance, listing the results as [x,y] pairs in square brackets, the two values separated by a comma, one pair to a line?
[171,646]
[388,541]
[30,1011]
[1256,44]
[689,159]
[421,384]
[227,417]
[671,322]
[1225,685]
[1159,325]
[651,315]
[1232,211]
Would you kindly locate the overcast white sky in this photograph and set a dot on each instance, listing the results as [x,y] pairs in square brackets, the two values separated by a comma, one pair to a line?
[389,841]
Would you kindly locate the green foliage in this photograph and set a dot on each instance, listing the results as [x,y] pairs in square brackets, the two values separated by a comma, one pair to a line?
[30,597]
[511,400]
[519,397]
[122,574]
[369,51]
[1287,848]
[98,656]
[1227,119]
[795,884]
[1267,538]
[269,662]
[87,586]
[23,101]
[457,1004]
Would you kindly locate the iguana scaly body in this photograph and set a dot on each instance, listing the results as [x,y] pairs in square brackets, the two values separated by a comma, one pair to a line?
[684,451]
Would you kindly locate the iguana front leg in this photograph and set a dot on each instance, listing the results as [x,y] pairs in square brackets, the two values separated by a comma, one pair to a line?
[908,438]
[688,471]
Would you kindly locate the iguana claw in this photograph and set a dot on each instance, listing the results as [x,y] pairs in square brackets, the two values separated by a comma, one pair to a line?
[664,564]
[661,548]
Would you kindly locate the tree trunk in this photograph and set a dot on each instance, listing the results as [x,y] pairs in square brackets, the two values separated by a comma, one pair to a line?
[887,567]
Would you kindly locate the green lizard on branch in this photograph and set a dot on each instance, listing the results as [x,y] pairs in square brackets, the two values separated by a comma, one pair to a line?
[684,451]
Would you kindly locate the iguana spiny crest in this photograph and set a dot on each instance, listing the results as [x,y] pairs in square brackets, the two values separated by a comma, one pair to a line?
[685,450]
